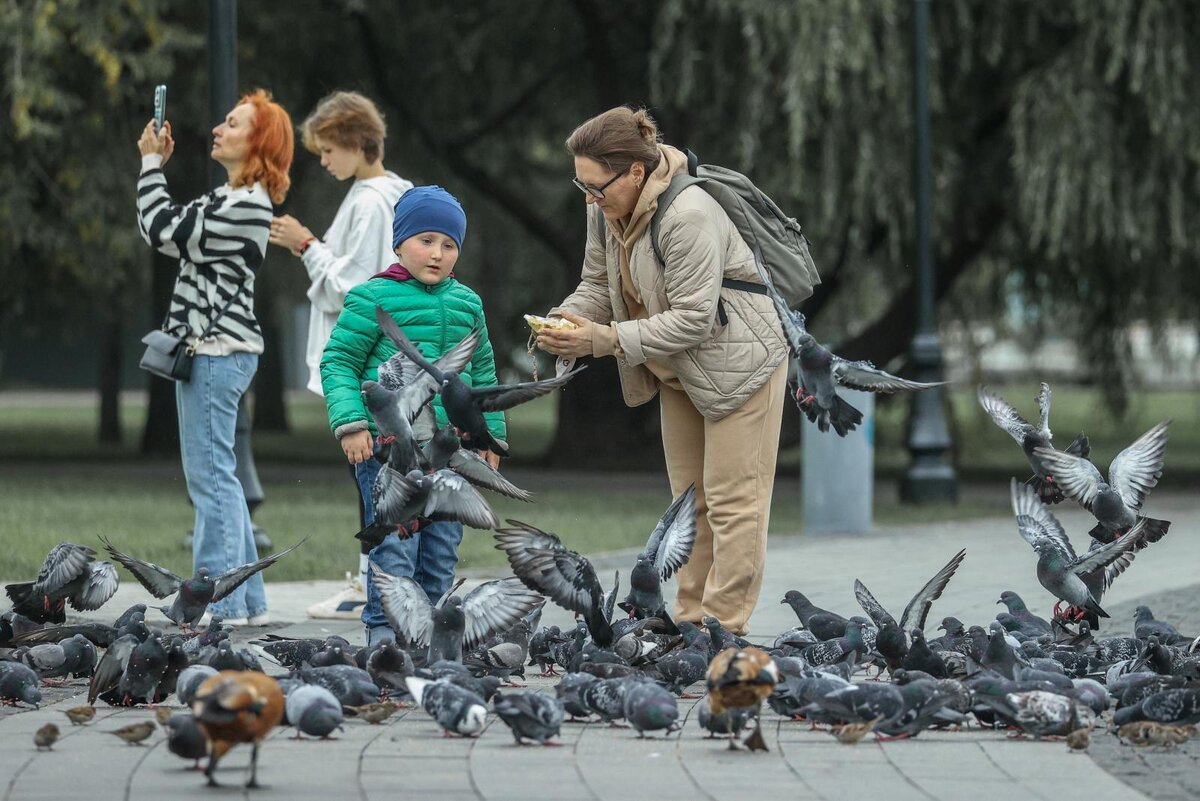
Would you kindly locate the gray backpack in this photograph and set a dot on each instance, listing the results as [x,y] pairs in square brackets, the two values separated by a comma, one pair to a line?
[773,237]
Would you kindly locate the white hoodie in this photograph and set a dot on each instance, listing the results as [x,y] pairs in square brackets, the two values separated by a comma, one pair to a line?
[357,245]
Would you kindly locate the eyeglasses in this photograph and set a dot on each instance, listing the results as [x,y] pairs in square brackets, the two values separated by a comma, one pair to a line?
[598,191]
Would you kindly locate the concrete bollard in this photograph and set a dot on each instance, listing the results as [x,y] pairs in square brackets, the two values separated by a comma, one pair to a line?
[838,473]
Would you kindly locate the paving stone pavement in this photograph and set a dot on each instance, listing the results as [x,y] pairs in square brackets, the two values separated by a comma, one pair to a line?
[407,757]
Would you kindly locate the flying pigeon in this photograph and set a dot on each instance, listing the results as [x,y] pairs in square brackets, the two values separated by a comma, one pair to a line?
[891,641]
[531,716]
[444,450]
[403,500]
[464,404]
[540,560]
[1116,503]
[491,607]
[820,371]
[1031,438]
[668,549]
[1059,570]
[69,574]
[194,594]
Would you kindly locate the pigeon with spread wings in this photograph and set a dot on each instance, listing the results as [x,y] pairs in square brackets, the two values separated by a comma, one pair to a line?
[1031,437]
[465,404]
[69,574]
[892,639]
[820,371]
[194,594]
[668,549]
[1116,503]
[492,607]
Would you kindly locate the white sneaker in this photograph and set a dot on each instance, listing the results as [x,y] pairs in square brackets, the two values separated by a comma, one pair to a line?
[206,621]
[259,619]
[345,605]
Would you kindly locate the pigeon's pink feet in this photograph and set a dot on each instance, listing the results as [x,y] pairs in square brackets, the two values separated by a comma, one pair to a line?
[548,672]
[886,738]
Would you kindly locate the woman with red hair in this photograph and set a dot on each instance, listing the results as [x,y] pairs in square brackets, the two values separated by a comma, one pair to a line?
[220,239]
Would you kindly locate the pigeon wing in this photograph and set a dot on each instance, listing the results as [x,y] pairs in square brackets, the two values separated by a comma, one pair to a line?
[453,498]
[111,666]
[670,544]
[1035,522]
[522,544]
[872,607]
[1076,476]
[505,396]
[1004,415]
[398,338]
[869,378]
[399,372]
[1043,402]
[609,602]
[918,608]
[158,581]
[791,321]
[405,604]
[231,579]
[1118,552]
[474,468]
[495,606]
[65,563]
[390,495]
[1136,470]
[101,583]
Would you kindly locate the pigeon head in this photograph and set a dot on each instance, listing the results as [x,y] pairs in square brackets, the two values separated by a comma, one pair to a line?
[951,625]
[1142,614]
[446,437]
[374,395]
[30,694]
[1012,601]
[793,597]
[202,574]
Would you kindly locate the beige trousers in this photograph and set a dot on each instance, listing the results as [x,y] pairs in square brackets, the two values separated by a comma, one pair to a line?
[732,463]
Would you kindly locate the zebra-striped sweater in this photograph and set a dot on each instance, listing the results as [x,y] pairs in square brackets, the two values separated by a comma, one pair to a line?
[220,239]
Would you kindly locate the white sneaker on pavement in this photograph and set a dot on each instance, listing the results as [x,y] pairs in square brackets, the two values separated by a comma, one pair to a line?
[345,605]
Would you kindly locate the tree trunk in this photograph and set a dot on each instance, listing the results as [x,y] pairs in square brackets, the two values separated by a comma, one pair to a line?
[160,437]
[270,411]
[596,430]
[110,381]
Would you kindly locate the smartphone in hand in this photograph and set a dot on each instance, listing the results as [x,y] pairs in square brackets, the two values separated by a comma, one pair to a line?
[160,106]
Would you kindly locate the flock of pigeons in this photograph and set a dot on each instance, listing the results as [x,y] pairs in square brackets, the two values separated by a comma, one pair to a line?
[453,655]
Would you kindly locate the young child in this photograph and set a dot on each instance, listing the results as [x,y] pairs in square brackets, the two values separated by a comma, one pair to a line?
[347,131]
[436,312]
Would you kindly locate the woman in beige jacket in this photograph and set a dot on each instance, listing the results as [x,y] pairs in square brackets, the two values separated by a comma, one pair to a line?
[714,355]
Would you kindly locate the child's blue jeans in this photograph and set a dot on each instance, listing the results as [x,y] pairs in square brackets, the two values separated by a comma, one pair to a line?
[428,557]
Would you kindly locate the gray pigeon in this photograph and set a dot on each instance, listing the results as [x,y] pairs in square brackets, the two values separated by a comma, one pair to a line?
[569,690]
[445,450]
[465,405]
[540,560]
[456,709]
[531,716]
[1016,607]
[76,656]
[351,686]
[606,698]
[1175,707]
[1116,503]
[502,654]
[313,710]
[649,707]
[891,640]
[730,722]
[491,607]
[824,624]
[820,371]
[1031,438]
[194,594]
[1059,570]
[389,665]
[19,683]
[403,500]
[189,681]
[69,574]
[1145,626]
[1045,714]
[185,739]
[667,550]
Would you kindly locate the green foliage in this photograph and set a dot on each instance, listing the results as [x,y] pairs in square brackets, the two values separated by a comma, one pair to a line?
[78,80]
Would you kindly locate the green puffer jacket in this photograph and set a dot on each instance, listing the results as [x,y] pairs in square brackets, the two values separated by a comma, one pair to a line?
[435,318]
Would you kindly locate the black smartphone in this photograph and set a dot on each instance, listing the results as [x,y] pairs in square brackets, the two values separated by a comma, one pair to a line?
[160,106]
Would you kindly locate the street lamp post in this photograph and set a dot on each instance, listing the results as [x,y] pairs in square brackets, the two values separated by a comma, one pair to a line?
[222,94]
[930,476]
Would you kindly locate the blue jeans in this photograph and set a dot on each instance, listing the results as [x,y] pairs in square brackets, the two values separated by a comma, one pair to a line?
[223,536]
[428,557]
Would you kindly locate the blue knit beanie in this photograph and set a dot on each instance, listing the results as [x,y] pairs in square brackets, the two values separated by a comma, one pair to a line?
[428,208]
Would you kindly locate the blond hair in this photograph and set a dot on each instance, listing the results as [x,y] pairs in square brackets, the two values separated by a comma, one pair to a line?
[349,120]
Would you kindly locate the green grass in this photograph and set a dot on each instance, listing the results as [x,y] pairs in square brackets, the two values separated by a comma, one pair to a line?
[57,484]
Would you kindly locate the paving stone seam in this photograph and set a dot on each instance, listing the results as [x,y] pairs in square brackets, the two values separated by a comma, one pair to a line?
[491,720]
[1031,789]
[71,732]
[788,762]
[912,782]
[147,749]
[362,752]
[683,762]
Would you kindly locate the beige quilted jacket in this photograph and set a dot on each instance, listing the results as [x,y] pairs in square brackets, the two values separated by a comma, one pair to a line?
[719,365]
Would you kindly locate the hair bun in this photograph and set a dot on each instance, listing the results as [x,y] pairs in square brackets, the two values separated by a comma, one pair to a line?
[647,127]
